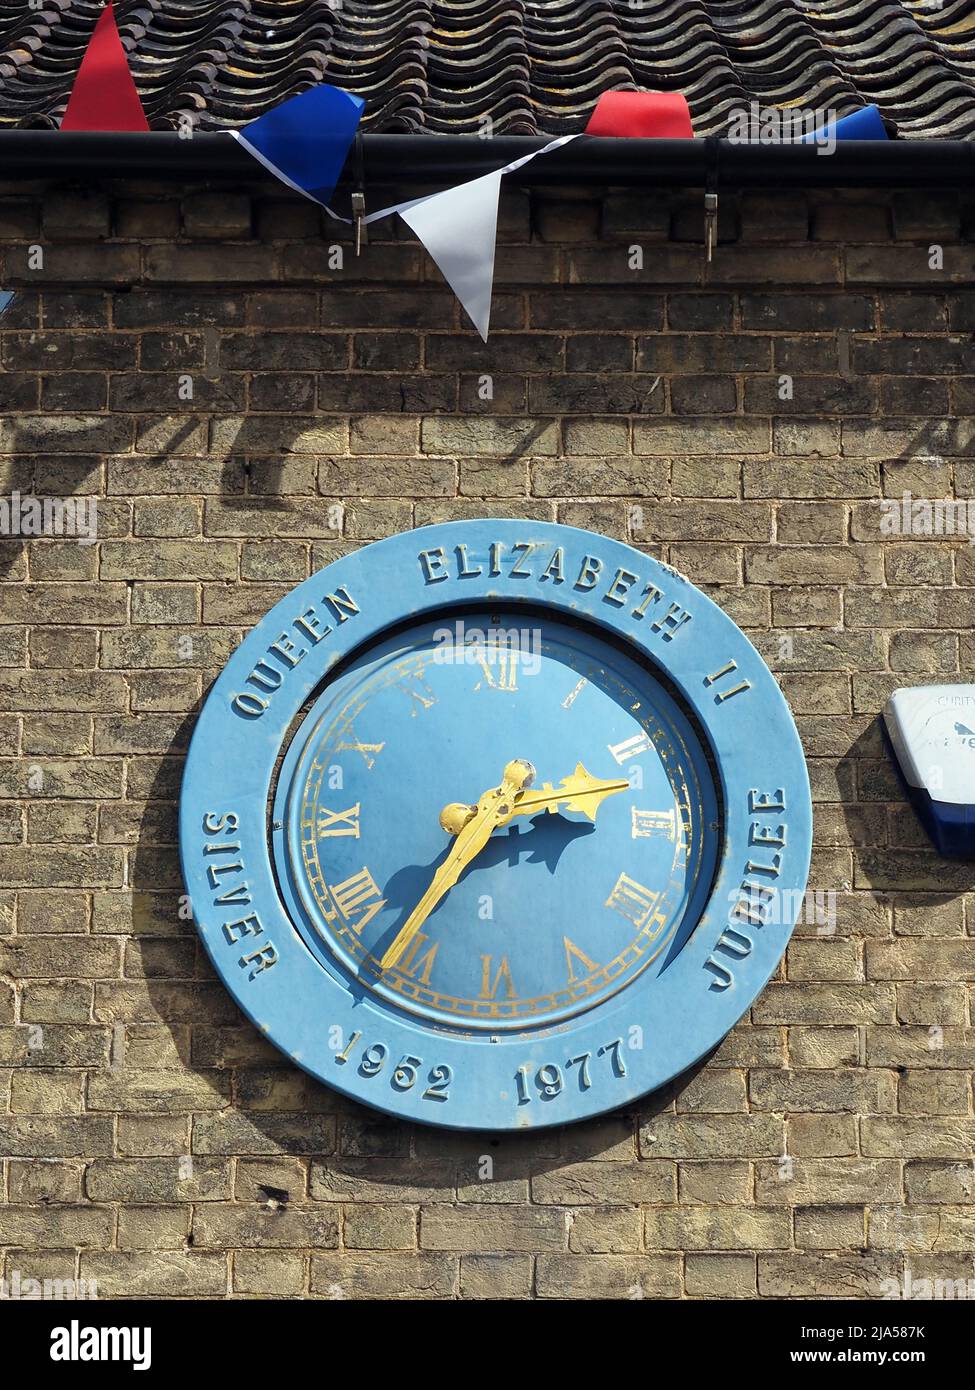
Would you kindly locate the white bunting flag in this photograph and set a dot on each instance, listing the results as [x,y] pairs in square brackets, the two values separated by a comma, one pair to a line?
[459,229]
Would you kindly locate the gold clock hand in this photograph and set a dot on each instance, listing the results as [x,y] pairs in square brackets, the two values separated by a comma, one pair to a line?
[578,792]
[491,810]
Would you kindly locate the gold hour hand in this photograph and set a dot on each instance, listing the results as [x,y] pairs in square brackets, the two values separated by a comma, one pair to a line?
[578,792]
[474,827]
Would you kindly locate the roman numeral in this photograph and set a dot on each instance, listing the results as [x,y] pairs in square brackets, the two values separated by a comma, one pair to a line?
[630,748]
[367,751]
[415,964]
[417,688]
[728,669]
[506,662]
[489,986]
[633,901]
[647,823]
[572,953]
[338,822]
[575,692]
[357,899]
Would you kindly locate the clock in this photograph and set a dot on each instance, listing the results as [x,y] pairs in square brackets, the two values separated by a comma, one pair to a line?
[495,824]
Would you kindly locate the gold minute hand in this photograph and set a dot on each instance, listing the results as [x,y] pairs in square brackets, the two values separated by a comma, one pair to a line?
[472,834]
[578,792]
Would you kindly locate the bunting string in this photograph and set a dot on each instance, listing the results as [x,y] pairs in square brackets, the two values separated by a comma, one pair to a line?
[305,141]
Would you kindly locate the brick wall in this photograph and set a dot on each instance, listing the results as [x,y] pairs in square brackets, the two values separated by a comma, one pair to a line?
[152,1141]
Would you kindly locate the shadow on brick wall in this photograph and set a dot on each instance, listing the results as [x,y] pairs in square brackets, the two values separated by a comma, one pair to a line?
[892,852]
[78,419]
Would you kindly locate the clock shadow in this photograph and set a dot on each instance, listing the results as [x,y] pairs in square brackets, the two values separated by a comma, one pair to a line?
[544,843]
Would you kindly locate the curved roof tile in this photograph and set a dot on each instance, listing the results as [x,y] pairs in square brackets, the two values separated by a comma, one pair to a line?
[530,66]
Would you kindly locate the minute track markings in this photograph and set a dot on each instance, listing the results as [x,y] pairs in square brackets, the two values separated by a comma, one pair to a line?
[634,956]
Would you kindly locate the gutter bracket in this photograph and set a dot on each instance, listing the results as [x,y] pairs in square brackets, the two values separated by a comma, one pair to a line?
[359,197]
[711,199]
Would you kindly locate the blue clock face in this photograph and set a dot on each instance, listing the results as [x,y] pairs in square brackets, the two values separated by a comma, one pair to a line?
[572,897]
[495,825]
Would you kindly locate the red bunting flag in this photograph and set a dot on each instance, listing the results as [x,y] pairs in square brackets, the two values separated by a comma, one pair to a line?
[104,96]
[642,115]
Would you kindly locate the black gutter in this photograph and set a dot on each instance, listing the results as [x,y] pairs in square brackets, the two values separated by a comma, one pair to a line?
[448,159]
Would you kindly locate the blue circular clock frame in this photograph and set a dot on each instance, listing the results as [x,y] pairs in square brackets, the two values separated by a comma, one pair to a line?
[261,916]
